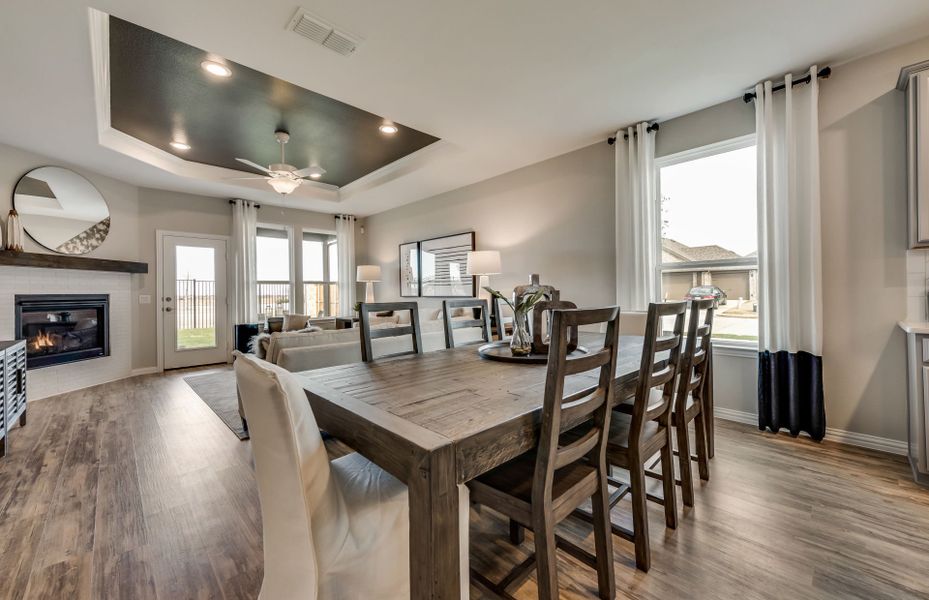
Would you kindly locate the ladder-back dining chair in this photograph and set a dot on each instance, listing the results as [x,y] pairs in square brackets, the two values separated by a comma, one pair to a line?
[368,334]
[541,488]
[642,429]
[689,399]
[449,307]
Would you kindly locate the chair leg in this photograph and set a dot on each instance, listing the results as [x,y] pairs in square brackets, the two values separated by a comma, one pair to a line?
[639,514]
[517,533]
[683,461]
[543,526]
[670,486]
[703,461]
[603,540]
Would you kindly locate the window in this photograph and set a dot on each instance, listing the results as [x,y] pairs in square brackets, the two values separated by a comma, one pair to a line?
[320,274]
[272,249]
[709,237]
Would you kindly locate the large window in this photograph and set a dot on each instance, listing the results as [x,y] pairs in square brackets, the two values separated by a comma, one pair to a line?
[320,274]
[709,239]
[272,248]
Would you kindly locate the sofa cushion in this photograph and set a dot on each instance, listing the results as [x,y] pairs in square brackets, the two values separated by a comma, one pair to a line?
[295,322]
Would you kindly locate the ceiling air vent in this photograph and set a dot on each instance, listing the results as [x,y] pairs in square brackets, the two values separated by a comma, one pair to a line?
[313,28]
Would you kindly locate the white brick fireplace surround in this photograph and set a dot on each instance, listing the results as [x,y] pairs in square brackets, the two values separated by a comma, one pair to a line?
[57,379]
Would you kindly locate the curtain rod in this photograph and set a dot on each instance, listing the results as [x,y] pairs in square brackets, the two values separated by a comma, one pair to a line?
[824,73]
[650,128]
[233,202]
[345,217]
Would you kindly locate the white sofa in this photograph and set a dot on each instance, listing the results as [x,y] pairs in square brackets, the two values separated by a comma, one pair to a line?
[304,351]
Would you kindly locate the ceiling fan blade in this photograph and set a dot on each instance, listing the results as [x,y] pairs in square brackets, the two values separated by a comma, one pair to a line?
[310,171]
[242,178]
[253,165]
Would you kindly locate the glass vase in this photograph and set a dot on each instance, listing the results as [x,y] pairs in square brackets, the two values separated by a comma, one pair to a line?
[521,342]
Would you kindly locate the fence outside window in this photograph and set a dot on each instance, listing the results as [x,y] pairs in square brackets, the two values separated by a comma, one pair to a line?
[196,303]
[273,298]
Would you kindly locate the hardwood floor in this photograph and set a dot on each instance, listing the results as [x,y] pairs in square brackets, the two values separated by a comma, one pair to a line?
[135,489]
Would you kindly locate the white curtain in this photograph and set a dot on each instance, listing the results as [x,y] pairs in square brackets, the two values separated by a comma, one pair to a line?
[789,246]
[636,218]
[244,280]
[789,258]
[345,238]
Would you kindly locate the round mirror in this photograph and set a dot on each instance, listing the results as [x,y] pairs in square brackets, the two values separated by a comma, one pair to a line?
[61,210]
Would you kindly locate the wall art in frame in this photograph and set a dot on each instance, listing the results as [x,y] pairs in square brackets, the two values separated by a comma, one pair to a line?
[409,270]
[443,266]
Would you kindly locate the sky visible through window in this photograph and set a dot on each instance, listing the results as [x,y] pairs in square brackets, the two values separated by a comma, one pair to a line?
[273,258]
[712,200]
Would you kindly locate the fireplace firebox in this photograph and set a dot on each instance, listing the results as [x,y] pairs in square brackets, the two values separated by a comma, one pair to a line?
[63,328]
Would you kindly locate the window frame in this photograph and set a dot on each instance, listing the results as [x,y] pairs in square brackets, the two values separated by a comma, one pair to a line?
[328,240]
[289,236]
[705,151]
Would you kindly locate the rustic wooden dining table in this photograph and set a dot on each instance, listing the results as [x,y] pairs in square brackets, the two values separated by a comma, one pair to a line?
[440,419]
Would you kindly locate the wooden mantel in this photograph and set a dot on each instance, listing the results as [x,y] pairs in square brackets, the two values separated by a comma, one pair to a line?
[64,261]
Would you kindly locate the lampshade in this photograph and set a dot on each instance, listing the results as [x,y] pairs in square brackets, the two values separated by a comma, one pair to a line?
[283,185]
[368,273]
[483,262]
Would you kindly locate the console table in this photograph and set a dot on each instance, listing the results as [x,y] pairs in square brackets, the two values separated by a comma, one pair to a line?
[12,387]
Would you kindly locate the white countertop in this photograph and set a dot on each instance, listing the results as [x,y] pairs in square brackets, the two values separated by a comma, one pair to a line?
[921,327]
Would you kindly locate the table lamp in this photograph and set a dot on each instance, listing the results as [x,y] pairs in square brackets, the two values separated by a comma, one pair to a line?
[368,274]
[483,263]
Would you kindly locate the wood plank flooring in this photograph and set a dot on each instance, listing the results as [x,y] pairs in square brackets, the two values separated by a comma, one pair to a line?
[135,489]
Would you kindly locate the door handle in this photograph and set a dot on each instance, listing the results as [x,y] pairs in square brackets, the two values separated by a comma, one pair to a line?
[168,299]
[168,309]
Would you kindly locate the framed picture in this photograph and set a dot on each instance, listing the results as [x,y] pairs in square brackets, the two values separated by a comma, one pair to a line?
[443,266]
[409,270]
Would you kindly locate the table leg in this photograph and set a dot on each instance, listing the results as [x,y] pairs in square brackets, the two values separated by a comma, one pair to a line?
[434,528]
[708,420]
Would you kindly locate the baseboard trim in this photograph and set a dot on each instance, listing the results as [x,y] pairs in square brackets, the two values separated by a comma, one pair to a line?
[144,371]
[841,436]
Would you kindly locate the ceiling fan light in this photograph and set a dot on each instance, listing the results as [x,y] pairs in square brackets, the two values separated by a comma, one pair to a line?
[283,185]
[315,175]
[182,146]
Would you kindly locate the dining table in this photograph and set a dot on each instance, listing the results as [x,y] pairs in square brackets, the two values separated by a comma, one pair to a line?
[439,419]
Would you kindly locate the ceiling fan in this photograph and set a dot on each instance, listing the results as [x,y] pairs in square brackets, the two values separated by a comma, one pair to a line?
[282,177]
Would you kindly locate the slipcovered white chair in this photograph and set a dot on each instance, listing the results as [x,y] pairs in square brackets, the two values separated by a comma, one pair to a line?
[332,531]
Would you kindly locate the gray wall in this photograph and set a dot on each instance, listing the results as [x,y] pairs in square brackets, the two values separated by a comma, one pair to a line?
[136,213]
[554,218]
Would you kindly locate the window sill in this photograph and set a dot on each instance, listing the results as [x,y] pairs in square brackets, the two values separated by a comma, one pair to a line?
[735,349]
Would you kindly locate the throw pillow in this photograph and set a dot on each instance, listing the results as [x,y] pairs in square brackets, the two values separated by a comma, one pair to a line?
[295,322]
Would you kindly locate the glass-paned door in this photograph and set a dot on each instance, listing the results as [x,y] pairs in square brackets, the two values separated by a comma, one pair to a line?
[194,301]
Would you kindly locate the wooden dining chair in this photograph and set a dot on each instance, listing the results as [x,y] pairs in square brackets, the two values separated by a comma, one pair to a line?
[689,399]
[540,326]
[469,305]
[500,320]
[368,335]
[541,488]
[642,429]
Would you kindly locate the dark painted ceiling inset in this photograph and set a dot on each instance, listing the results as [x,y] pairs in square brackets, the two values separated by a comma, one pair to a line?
[159,92]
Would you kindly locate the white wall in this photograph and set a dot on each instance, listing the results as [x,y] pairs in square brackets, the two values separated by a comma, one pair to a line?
[554,218]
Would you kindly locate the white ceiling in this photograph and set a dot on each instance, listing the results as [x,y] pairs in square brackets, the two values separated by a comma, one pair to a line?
[504,84]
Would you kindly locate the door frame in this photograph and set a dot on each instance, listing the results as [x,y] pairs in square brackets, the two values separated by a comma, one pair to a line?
[160,235]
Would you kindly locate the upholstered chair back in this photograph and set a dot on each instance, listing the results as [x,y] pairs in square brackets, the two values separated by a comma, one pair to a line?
[294,479]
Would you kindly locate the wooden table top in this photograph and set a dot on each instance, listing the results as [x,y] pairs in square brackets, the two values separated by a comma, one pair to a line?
[452,396]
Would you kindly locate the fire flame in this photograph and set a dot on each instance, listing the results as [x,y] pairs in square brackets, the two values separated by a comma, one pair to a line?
[43,340]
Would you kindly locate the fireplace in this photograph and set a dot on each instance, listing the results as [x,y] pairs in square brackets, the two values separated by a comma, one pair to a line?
[63,328]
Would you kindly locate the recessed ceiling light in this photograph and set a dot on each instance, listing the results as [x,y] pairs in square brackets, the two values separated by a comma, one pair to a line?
[214,68]
[389,128]
[180,145]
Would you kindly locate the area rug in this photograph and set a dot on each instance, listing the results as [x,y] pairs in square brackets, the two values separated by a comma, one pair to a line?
[218,391]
